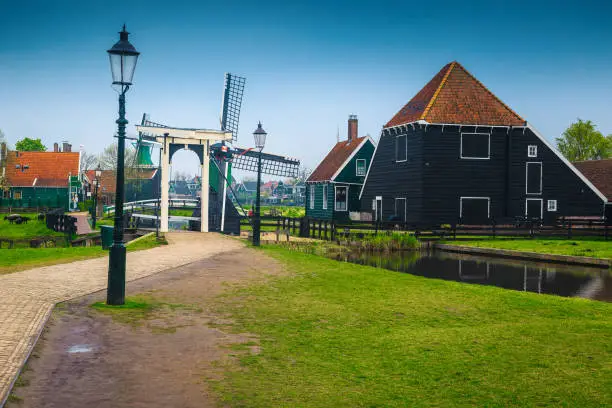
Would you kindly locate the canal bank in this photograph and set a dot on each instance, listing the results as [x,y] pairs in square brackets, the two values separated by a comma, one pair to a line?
[524,255]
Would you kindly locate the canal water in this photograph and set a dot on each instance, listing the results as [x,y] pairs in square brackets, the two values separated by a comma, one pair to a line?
[539,277]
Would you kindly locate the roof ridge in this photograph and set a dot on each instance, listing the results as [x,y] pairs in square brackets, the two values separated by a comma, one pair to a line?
[489,91]
[437,92]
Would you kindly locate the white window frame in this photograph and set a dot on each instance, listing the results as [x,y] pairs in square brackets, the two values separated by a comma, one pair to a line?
[527,177]
[532,151]
[377,200]
[396,151]
[15,192]
[541,206]
[405,203]
[475,198]
[336,194]
[461,156]
[365,168]
[551,205]
[312,196]
[325,196]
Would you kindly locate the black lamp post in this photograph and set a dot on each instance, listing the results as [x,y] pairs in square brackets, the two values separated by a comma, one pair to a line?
[123,57]
[260,141]
[96,182]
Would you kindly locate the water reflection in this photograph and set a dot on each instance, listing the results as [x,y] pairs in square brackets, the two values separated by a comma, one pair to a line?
[540,277]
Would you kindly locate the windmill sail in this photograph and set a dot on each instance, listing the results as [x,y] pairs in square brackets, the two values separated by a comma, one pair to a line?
[232,101]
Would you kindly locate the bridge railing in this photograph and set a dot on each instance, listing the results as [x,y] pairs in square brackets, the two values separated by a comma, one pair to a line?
[152,203]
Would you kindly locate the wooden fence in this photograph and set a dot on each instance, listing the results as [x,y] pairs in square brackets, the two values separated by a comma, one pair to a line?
[567,227]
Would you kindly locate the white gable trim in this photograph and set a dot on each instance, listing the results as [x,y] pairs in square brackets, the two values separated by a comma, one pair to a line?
[351,156]
[567,163]
[365,180]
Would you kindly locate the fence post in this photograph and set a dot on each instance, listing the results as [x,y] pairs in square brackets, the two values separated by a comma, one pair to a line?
[569,229]
[494,232]
[333,230]
[325,235]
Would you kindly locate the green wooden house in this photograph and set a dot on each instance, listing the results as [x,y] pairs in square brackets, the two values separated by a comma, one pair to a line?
[40,179]
[332,190]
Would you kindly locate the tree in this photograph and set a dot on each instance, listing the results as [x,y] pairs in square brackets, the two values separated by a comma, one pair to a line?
[582,141]
[2,137]
[30,145]
[88,161]
[108,158]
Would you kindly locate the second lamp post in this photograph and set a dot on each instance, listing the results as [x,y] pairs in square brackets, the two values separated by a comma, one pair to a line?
[260,141]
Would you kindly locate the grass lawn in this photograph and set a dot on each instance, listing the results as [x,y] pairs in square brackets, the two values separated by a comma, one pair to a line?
[18,259]
[342,335]
[285,210]
[32,229]
[591,247]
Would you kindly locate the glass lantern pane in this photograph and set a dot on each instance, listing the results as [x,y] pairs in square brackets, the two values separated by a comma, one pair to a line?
[115,63]
[129,66]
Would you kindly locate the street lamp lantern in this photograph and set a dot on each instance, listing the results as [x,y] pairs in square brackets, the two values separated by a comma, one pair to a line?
[259,135]
[123,57]
[98,172]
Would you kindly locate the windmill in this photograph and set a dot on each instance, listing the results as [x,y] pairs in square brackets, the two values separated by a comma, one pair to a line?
[225,157]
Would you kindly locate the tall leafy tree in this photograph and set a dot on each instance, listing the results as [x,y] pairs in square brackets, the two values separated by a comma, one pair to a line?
[582,141]
[30,145]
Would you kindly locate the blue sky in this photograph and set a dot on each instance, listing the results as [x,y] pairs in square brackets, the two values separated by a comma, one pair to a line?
[308,65]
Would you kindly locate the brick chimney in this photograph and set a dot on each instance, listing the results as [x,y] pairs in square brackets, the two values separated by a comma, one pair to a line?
[55,147]
[352,128]
[66,147]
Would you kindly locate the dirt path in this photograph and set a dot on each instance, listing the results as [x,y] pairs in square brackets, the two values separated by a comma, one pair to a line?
[88,358]
[27,297]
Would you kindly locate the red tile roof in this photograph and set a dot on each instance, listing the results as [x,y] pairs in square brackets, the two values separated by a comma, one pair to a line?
[49,169]
[599,172]
[334,159]
[456,96]
[108,181]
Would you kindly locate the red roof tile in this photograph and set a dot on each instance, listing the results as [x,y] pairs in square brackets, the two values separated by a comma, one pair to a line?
[456,96]
[49,169]
[599,172]
[334,159]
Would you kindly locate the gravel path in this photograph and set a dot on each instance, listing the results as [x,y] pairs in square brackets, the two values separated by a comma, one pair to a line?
[28,297]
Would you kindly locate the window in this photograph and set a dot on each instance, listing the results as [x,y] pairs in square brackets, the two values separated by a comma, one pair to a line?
[552,205]
[533,178]
[475,146]
[361,167]
[400,209]
[324,196]
[532,151]
[17,195]
[474,210]
[401,148]
[312,196]
[341,198]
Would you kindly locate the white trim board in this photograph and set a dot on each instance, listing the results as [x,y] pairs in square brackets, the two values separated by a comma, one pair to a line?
[365,180]
[567,162]
[366,139]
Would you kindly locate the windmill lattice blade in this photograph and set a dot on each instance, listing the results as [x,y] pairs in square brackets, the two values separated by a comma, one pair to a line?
[270,163]
[232,101]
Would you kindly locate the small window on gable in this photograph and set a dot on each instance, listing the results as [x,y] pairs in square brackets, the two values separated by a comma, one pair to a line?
[475,146]
[401,148]
[532,151]
[552,205]
[361,167]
